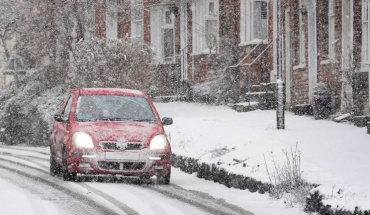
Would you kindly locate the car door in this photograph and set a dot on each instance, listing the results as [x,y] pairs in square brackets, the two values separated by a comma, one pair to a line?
[61,130]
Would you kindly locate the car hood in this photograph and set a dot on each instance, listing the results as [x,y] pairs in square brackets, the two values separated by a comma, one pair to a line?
[120,131]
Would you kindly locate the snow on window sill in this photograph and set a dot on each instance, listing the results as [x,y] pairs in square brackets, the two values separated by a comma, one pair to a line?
[365,68]
[205,52]
[162,61]
[301,66]
[253,42]
[328,62]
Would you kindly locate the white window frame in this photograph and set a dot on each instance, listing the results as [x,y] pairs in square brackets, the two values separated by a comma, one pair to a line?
[331,32]
[247,34]
[302,38]
[365,49]
[137,21]
[201,15]
[157,27]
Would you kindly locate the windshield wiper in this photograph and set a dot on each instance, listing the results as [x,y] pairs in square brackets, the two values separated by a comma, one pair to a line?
[144,120]
[113,119]
[84,120]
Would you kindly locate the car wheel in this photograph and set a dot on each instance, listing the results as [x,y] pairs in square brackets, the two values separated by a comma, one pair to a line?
[145,179]
[54,168]
[67,176]
[164,179]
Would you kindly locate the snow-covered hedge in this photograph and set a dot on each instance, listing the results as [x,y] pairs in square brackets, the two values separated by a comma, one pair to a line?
[314,202]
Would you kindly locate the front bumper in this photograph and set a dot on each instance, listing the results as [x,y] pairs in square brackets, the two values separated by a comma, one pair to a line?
[128,163]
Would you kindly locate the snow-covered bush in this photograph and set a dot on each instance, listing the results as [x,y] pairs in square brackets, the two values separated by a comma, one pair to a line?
[21,127]
[25,116]
[322,101]
[322,90]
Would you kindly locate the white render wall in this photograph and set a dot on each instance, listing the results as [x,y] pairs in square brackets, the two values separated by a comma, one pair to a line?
[312,47]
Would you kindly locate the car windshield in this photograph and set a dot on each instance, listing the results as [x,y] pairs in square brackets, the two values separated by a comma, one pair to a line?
[114,108]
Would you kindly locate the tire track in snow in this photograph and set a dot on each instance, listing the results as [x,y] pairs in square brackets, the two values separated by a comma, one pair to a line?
[27,158]
[24,149]
[103,209]
[202,201]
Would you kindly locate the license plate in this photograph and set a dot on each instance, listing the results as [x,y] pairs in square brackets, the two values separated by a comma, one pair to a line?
[122,156]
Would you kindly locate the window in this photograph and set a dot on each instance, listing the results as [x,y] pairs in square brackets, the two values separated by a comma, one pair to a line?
[137,19]
[114,108]
[68,107]
[168,43]
[205,26]
[365,53]
[254,20]
[163,34]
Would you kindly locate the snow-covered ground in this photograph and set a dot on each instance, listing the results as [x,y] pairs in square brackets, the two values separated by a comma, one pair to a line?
[334,155]
[24,195]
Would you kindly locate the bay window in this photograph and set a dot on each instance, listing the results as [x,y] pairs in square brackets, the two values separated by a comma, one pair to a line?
[162,21]
[137,19]
[254,21]
[205,26]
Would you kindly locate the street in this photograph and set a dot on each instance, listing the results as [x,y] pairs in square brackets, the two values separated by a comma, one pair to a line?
[26,181]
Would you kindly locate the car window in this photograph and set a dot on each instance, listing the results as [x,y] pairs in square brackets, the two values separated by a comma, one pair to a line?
[114,108]
[67,109]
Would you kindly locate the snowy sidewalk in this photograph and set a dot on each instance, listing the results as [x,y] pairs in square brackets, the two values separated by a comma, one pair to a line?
[336,156]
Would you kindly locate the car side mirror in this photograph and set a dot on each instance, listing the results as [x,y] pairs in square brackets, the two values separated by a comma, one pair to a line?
[60,118]
[167,121]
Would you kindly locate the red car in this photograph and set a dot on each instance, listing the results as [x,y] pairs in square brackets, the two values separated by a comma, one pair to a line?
[110,131]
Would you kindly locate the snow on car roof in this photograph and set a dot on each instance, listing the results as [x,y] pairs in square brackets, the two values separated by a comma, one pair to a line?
[114,91]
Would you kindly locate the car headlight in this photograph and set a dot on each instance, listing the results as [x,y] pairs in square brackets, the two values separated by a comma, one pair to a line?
[158,142]
[82,140]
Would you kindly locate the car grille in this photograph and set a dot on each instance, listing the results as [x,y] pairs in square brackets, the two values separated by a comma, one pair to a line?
[125,146]
[121,166]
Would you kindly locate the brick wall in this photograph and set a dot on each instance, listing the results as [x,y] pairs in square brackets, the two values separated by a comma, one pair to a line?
[100,17]
[124,19]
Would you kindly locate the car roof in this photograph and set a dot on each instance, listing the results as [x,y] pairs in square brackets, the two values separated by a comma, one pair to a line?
[110,91]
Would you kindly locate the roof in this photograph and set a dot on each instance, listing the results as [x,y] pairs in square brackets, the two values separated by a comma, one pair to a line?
[110,91]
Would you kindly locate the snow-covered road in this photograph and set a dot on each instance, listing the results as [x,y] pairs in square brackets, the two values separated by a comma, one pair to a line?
[27,188]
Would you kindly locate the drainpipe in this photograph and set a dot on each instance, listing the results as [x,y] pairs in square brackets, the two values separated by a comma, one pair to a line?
[280,115]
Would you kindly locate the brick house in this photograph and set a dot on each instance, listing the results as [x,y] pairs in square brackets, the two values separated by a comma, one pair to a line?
[323,42]
[327,42]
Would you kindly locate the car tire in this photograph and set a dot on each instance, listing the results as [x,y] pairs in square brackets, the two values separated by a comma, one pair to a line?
[145,179]
[54,168]
[67,176]
[164,179]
